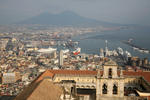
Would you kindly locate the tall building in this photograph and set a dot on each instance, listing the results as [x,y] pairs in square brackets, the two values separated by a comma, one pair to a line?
[61,58]
[101,53]
[106,48]
[110,84]
[145,61]
[55,54]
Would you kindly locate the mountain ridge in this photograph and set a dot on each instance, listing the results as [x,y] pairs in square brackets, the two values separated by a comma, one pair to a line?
[65,18]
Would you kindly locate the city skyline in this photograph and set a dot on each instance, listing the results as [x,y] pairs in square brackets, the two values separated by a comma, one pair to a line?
[74,50]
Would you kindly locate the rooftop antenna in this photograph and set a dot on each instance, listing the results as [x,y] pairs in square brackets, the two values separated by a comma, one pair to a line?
[106,44]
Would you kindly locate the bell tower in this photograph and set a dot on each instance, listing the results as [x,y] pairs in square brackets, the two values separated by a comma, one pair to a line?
[110,69]
[110,84]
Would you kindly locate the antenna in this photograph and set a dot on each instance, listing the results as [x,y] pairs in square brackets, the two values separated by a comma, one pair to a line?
[106,48]
[106,42]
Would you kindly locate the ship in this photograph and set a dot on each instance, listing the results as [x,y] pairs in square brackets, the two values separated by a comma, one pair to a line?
[47,50]
[143,50]
[120,51]
[77,51]
[127,54]
[135,48]
[146,51]
[65,51]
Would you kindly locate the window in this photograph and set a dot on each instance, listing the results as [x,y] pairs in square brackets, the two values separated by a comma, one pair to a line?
[104,89]
[115,89]
[110,73]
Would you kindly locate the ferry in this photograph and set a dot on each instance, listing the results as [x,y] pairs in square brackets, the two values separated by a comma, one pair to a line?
[77,51]
[120,51]
[47,50]
[65,51]
[146,51]
[127,54]
[135,48]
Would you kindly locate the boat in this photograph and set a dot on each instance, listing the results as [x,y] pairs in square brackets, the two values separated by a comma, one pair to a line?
[65,51]
[146,51]
[47,50]
[120,51]
[143,50]
[77,51]
[127,54]
[135,48]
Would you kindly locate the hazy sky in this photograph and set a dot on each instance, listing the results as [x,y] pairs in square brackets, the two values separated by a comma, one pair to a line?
[117,11]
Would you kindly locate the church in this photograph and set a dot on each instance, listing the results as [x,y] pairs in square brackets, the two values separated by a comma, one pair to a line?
[108,83]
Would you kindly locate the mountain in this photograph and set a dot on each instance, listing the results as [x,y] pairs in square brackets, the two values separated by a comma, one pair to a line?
[65,18]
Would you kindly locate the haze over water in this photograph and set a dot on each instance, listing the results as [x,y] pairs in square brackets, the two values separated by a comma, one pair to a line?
[92,42]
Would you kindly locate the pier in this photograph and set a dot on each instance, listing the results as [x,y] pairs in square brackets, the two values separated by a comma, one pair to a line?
[135,47]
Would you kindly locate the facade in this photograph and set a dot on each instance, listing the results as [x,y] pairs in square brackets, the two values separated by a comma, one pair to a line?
[101,53]
[110,83]
[61,58]
[8,78]
[11,77]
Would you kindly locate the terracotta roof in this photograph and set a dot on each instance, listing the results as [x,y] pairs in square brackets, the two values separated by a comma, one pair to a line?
[51,73]
[27,91]
[148,98]
[146,75]
[47,73]
[43,90]
[74,72]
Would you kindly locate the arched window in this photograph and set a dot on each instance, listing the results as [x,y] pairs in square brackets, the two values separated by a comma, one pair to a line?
[110,73]
[104,89]
[115,89]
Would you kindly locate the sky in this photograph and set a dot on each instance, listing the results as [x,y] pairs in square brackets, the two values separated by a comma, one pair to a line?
[116,11]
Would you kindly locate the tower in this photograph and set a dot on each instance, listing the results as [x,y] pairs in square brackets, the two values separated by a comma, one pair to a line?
[55,55]
[98,88]
[109,84]
[101,53]
[106,48]
[61,58]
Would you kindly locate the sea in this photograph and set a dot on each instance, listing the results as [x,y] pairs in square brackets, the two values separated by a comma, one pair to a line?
[91,43]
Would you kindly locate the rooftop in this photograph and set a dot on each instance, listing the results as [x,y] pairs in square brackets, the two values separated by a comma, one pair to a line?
[110,63]
[52,73]
[42,90]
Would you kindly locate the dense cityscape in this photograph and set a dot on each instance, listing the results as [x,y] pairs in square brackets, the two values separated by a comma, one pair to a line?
[26,56]
[74,50]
